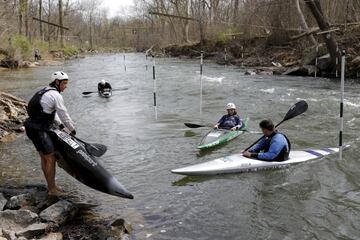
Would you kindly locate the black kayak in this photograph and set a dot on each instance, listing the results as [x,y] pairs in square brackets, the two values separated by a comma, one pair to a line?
[77,162]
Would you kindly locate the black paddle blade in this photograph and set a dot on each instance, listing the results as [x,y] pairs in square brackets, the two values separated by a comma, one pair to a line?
[87,93]
[193,125]
[95,149]
[296,109]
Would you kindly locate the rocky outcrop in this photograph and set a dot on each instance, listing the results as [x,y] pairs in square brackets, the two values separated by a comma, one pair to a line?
[12,116]
[59,212]
[35,215]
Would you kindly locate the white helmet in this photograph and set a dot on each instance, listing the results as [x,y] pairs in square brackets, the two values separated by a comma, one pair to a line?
[102,82]
[230,106]
[59,75]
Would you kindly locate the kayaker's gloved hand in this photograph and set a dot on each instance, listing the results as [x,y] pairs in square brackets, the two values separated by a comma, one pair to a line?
[233,129]
[73,133]
[216,126]
[61,126]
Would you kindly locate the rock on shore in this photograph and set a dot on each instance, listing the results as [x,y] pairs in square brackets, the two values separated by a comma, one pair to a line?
[29,213]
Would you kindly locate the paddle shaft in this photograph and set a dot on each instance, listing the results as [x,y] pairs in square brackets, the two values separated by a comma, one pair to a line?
[119,89]
[297,109]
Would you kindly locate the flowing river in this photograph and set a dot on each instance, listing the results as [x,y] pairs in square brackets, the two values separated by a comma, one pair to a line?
[313,200]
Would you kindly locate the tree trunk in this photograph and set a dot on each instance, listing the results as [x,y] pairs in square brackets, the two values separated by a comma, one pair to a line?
[315,8]
[61,23]
[40,23]
[186,27]
[235,13]
[26,14]
[48,26]
[90,32]
[21,15]
[201,22]
[303,22]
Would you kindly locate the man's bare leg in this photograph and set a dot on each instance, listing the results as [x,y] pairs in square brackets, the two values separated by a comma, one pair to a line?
[48,165]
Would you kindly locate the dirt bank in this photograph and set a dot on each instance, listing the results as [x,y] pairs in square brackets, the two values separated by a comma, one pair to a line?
[256,53]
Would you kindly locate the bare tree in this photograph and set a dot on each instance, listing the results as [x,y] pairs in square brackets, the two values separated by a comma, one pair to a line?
[329,37]
[61,13]
[303,21]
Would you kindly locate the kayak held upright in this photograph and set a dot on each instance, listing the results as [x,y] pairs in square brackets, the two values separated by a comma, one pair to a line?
[46,109]
[230,121]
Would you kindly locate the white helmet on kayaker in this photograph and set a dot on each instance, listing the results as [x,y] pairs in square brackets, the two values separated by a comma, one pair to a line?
[230,106]
[59,75]
[102,82]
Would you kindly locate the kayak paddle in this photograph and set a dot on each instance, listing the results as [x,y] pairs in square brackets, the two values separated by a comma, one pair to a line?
[297,109]
[118,89]
[193,125]
[94,149]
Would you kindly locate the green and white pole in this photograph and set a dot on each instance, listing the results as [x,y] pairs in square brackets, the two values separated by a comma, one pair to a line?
[124,61]
[342,104]
[154,78]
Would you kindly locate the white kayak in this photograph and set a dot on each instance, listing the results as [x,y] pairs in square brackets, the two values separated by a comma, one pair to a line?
[237,163]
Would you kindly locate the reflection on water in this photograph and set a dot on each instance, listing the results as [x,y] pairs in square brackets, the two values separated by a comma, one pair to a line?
[318,200]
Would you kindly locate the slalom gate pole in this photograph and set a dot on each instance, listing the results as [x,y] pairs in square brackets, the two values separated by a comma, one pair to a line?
[342,104]
[154,78]
[201,82]
[124,62]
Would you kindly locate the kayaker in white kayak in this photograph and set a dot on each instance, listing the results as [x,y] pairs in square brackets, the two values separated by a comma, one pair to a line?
[230,121]
[274,146]
[104,86]
[46,109]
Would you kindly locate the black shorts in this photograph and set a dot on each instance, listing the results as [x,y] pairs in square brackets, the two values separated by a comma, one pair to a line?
[41,140]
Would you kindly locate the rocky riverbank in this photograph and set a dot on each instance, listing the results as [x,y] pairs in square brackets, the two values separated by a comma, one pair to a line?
[12,116]
[29,213]
[52,57]
[262,58]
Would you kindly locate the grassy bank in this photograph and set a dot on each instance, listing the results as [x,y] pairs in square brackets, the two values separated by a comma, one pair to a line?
[18,51]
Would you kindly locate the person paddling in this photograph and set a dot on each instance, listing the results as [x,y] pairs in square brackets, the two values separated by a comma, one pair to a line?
[46,110]
[230,121]
[274,146]
[104,86]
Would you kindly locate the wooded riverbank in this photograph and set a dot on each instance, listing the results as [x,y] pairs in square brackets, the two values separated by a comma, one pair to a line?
[287,59]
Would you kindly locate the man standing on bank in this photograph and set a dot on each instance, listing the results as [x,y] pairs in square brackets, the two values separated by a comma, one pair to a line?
[274,146]
[46,109]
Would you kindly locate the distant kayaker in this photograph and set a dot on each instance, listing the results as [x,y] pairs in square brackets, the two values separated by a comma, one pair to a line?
[274,146]
[46,109]
[103,85]
[230,121]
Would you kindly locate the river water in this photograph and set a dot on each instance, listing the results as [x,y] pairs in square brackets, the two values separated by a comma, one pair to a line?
[314,200]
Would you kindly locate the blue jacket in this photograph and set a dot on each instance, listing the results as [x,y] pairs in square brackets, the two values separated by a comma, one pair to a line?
[227,122]
[275,148]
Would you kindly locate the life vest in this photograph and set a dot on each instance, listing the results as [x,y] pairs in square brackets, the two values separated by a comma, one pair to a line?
[228,122]
[284,153]
[37,117]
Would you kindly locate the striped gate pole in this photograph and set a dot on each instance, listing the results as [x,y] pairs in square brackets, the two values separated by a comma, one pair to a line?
[316,60]
[342,104]
[124,62]
[154,78]
[201,83]
[338,55]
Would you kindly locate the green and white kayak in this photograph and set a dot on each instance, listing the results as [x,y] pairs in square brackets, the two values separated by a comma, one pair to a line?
[217,137]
